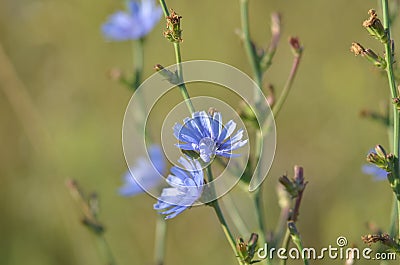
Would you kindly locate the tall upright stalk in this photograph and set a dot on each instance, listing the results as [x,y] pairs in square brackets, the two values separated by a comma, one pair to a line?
[394,94]
[178,59]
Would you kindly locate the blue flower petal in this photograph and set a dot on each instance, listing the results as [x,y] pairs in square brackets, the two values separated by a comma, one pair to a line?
[207,135]
[186,188]
[146,172]
[136,23]
[376,172]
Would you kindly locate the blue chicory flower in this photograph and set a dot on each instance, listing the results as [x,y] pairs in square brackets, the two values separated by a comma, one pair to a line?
[206,135]
[186,188]
[135,24]
[146,172]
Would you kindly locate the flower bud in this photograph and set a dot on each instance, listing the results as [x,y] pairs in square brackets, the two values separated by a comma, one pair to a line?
[380,151]
[295,44]
[374,27]
[173,32]
[369,54]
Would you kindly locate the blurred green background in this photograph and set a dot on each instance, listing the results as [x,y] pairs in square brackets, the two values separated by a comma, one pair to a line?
[62,59]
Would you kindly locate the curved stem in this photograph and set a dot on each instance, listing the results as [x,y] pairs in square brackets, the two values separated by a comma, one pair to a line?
[286,89]
[285,245]
[250,49]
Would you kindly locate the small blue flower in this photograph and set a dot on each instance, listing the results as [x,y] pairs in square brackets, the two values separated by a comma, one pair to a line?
[146,172]
[205,134]
[376,172]
[134,24]
[187,187]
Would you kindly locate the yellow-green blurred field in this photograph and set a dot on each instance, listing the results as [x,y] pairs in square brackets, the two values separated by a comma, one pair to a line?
[61,58]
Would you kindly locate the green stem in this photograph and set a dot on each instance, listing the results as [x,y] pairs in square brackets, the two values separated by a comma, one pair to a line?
[182,86]
[164,8]
[221,218]
[234,214]
[258,203]
[250,49]
[159,249]
[288,85]
[178,59]
[394,93]
[106,250]
[138,63]
[285,245]
[257,75]
[296,239]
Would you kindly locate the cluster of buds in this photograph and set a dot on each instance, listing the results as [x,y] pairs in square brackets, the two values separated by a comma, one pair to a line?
[296,185]
[374,26]
[388,163]
[380,159]
[173,32]
[384,239]
[247,250]
[376,29]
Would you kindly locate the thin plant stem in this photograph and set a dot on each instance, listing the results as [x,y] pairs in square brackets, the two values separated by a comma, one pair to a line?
[159,249]
[394,218]
[182,86]
[161,225]
[288,85]
[220,215]
[394,94]
[234,214]
[285,245]
[257,75]
[249,47]
[138,63]
[164,8]
[299,244]
[178,59]
[106,250]
[138,66]
[21,103]
[258,203]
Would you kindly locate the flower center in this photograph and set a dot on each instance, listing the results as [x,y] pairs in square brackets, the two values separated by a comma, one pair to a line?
[207,148]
